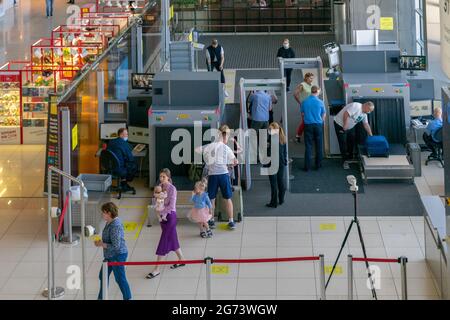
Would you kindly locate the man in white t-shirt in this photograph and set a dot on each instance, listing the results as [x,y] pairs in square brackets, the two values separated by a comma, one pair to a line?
[218,157]
[344,124]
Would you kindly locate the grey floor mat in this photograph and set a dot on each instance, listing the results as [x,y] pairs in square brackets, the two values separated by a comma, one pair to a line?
[331,178]
[379,199]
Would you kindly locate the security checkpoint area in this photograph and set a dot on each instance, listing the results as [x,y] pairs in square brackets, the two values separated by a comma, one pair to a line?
[155,180]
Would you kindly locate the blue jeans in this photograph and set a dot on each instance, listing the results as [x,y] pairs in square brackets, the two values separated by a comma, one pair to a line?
[313,136]
[119,275]
[49,7]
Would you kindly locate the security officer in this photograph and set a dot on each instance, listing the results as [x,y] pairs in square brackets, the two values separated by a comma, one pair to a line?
[215,58]
[127,164]
[286,52]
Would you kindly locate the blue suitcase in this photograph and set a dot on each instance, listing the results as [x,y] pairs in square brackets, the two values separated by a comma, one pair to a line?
[377,146]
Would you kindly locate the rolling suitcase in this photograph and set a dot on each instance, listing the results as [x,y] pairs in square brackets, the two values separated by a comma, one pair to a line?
[377,146]
[220,212]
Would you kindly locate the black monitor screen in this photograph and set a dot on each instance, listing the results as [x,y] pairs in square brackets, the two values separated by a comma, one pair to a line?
[142,80]
[413,63]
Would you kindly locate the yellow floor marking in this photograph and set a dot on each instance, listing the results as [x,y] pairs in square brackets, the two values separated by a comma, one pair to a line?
[129,226]
[223,226]
[327,226]
[220,269]
[141,223]
[132,207]
[337,270]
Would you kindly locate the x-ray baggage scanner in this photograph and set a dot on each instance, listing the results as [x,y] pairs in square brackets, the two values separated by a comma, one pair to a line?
[247,85]
[390,92]
[181,99]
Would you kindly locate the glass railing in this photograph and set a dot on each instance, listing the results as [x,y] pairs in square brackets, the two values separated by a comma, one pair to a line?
[255,16]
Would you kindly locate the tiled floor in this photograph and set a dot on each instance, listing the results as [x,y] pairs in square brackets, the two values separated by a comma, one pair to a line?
[23,248]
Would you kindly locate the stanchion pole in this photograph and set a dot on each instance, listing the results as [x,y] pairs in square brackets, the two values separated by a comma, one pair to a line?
[208,262]
[83,236]
[105,280]
[403,262]
[49,234]
[350,276]
[322,277]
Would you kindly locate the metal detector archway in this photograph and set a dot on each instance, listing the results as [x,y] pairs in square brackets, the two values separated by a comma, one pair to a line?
[247,85]
[309,63]
[303,63]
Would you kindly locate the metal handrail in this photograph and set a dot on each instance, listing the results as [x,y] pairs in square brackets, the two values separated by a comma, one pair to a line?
[268,26]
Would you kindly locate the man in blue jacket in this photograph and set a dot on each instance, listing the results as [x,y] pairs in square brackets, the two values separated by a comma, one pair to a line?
[127,165]
[313,111]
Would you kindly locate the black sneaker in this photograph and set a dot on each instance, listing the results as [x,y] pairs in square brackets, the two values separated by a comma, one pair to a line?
[203,234]
[212,224]
[209,233]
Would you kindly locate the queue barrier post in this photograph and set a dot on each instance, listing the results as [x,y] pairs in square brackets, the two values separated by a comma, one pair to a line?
[403,261]
[322,277]
[208,263]
[350,276]
[105,280]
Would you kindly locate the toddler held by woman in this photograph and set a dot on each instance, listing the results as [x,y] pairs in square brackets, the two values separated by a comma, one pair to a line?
[160,196]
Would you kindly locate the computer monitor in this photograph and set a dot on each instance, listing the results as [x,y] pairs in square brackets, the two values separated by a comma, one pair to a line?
[422,108]
[142,81]
[138,135]
[413,63]
[108,131]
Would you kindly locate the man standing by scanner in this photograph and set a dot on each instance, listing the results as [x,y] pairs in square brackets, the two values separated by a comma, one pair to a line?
[344,125]
[215,58]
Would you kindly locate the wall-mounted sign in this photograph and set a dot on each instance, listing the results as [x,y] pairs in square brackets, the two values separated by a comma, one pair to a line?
[387,23]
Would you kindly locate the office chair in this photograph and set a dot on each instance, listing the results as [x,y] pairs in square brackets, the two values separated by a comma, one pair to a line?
[109,164]
[437,148]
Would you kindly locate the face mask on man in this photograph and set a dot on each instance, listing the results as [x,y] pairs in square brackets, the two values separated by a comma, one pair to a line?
[125,138]
[286,45]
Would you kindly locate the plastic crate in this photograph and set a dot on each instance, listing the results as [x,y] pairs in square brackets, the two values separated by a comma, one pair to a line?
[96,182]
[93,209]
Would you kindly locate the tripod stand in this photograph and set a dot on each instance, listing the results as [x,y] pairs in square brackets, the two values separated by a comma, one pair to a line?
[354,189]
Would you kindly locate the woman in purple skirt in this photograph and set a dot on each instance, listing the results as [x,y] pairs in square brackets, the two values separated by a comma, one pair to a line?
[169,239]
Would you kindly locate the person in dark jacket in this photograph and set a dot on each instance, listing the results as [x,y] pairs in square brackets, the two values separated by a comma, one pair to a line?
[127,167]
[114,249]
[278,180]
[286,52]
[215,58]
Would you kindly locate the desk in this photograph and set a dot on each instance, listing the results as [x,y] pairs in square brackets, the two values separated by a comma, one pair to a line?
[141,156]
[418,131]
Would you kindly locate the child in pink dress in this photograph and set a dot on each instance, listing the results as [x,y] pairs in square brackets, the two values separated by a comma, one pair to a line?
[201,212]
